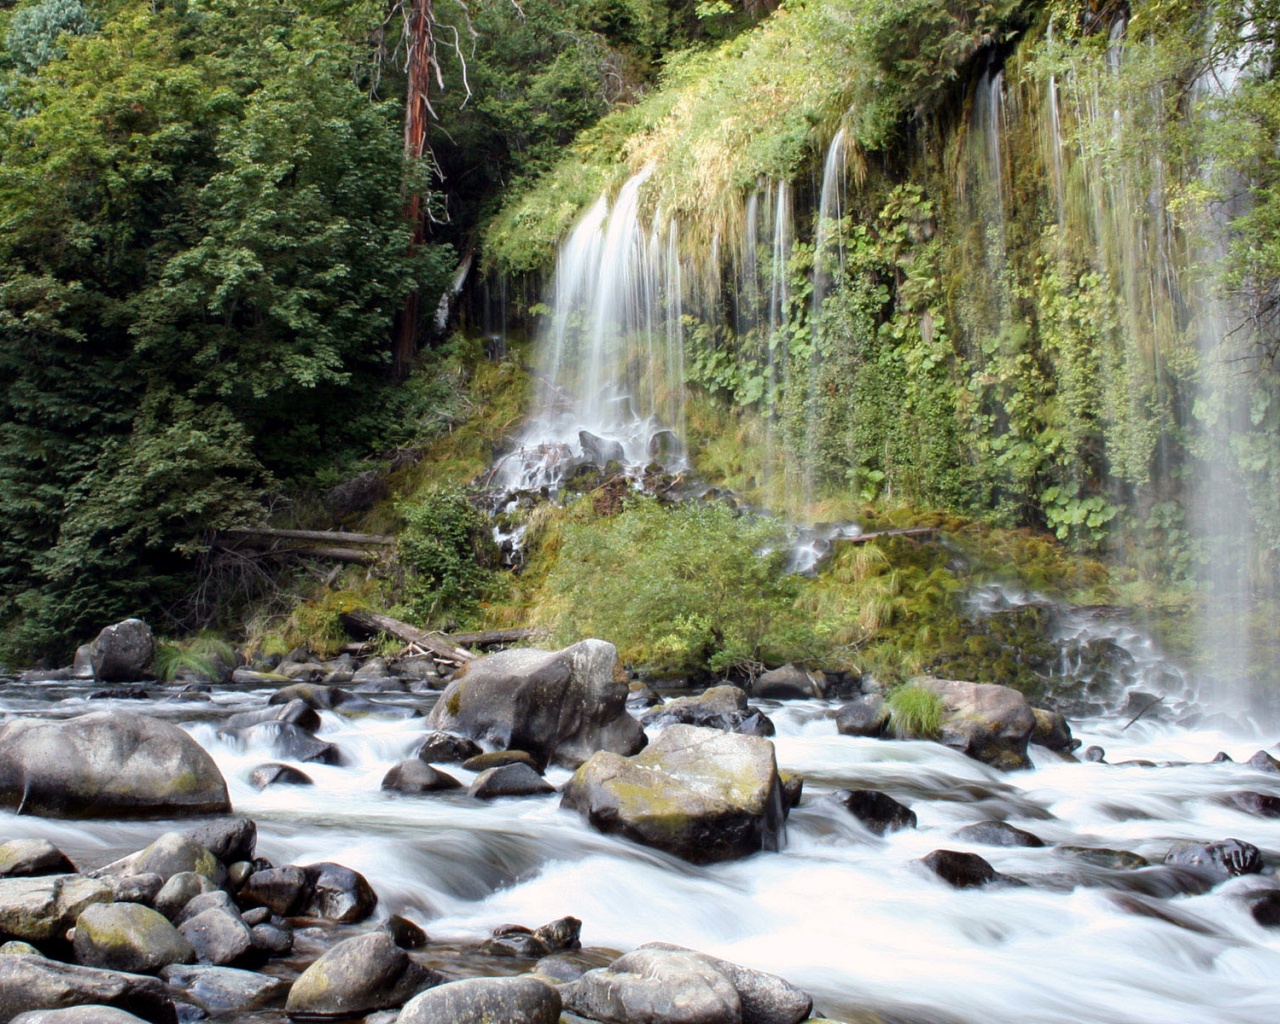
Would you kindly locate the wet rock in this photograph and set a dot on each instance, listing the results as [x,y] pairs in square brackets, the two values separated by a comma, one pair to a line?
[600,451]
[180,890]
[359,975]
[1220,860]
[864,716]
[522,944]
[655,986]
[255,915]
[1052,731]
[1159,910]
[787,683]
[35,983]
[960,870]
[123,652]
[25,858]
[294,712]
[225,989]
[107,764]
[218,936]
[143,889]
[879,812]
[82,663]
[420,669]
[122,693]
[563,933]
[43,908]
[720,707]
[1095,754]
[998,833]
[560,706]
[519,1000]
[499,758]
[700,794]
[128,937]
[14,946]
[766,998]
[1265,908]
[573,964]
[77,1015]
[271,939]
[414,776]
[276,774]
[1262,804]
[989,723]
[290,743]
[509,780]
[228,839]
[1264,762]
[792,787]
[314,695]
[337,893]
[280,890]
[218,899]
[447,748]
[171,854]
[405,934]
[254,677]
[1221,757]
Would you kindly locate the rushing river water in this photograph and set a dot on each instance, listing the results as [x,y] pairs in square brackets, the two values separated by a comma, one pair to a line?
[849,916]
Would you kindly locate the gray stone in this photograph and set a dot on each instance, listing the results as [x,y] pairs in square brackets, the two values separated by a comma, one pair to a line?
[34,983]
[77,1015]
[766,998]
[560,706]
[218,936]
[23,858]
[1052,731]
[562,933]
[519,1000]
[145,888]
[180,890]
[276,774]
[359,975]
[879,812]
[82,664]
[228,839]
[271,939]
[14,946]
[294,712]
[288,741]
[337,893]
[719,707]
[989,723]
[225,989]
[107,764]
[252,677]
[171,854]
[43,908]
[960,870]
[122,653]
[509,780]
[447,748]
[655,986]
[787,683]
[600,451]
[280,890]
[499,758]
[701,794]
[217,899]
[864,716]
[1218,861]
[128,937]
[998,833]
[414,776]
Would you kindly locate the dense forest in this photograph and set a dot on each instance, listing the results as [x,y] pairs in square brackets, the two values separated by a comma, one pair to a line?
[1009,268]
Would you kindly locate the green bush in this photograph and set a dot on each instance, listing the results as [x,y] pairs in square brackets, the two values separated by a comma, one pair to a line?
[915,713]
[681,590]
[447,553]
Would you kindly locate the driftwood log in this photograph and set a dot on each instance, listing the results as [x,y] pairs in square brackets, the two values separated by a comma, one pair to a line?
[334,537]
[438,645]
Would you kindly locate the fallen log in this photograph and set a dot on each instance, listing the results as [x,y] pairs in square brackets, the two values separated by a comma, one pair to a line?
[374,622]
[863,538]
[493,637]
[353,555]
[323,536]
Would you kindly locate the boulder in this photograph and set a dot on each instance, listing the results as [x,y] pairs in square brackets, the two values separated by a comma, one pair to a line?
[879,812]
[1264,762]
[405,933]
[989,723]
[136,888]
[864,716]
[998,833]
[499,759]
[122,653]
[357,976]
[171,854]
[272,939]
[700,794]
[43,908]
[519,1000]
[600,451]
[1052,731]
[295,712]
[276,774]
[280,890]
[515,942]
[180,890]
[219,899]
[98,1014]
[787,683]
[1264,907]
[128,937]
[108,764]
[34,983]
[720,707]
[228,839]
[1218,861]
[414,776]
[447,748]
[221,990]
[562,933]
[337,893]
[218,936]
[516,779]
[23,858]
[287,741]
[82,663]
[655,986]
[1103,857]
[560,706]
[766,998]
[960,870]
[1250,801]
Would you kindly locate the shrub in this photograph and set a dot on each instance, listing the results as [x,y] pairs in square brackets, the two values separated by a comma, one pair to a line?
[207,656]
[447,553]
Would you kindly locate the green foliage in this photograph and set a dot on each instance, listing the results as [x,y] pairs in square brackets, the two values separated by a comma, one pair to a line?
[206,657]
[34,35]
[681,591]
[447,553]
[915,713]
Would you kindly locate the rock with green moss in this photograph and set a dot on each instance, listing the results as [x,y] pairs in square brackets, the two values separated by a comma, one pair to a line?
[128,937]
[357,976]
[519,1000]
[23,858]
[40,909]
[33,983]
[107,764]
[700,794]
[171,854]
[989,723]
[719,707]
[560,706]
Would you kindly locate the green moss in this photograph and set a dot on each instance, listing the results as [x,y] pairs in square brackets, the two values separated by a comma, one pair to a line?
[915,713]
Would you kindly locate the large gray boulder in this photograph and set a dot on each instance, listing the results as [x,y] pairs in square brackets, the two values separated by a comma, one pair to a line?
[35,983]
[560,706]
[655,986]
[519,1000]
[107,764]
[989,723]
[357,976]
[41,909]
[766,998]
[122,653]
[700,794]
[128,937]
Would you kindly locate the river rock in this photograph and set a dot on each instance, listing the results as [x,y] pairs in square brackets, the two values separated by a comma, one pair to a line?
[1251,802]
[169,855]
[1052,731]
[314,695]
[1265,908]
[560,706]
[1104,857]
[219,899]
[144,889]
[414,776]
[960,870]
[878,811]
[180,890]
[277,774]
[218,936]
[289,742]
[600,451]
[359,975]
[562,933]
[1224,859]
[405,933]
[509,780]
[107,764]
[998,833]
[786,683]
[280,890]
[128,937]
[224,989]
[43,908]
[337,893]
[719,707]
[700,794]
[515,943]
[447,748]
[989,723]
[97,1014]
[766,998]
[272,939]
[1264,762]
[122,653]
[36,983]
[228,839]
[864,716]
[499,758]
[24,858]
[256,677]
[294,712]
[655,986]
[519,1000]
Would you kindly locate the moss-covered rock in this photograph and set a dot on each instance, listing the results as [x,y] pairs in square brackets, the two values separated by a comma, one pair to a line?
[128,937]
